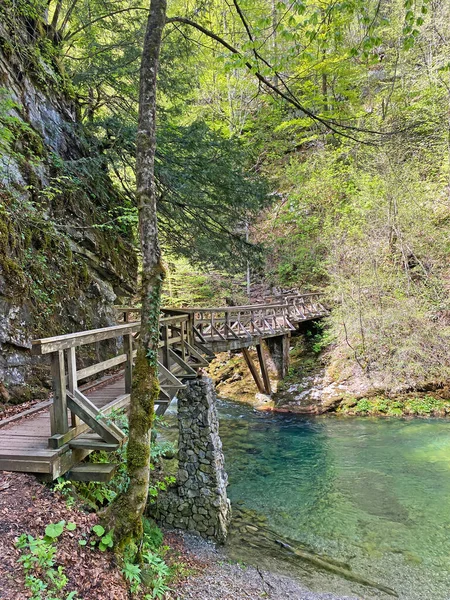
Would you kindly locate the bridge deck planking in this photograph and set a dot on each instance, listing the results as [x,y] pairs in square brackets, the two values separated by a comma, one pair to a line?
[24,443]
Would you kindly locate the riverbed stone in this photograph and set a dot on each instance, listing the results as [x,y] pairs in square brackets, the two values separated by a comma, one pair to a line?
[198,500]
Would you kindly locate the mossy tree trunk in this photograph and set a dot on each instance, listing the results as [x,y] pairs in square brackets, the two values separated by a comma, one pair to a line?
[125,515]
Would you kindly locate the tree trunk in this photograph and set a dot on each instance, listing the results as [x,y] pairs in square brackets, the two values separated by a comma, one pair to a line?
[125,514]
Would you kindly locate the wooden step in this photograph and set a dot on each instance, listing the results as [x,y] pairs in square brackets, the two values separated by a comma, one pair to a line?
[103,472]
[92,442]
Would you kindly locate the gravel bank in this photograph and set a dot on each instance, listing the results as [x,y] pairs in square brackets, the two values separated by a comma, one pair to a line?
[222,580]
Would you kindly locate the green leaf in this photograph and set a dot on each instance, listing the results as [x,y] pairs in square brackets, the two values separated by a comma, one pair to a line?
[82,542]
[98,530]
[107,540]
[54,530]
[71,526]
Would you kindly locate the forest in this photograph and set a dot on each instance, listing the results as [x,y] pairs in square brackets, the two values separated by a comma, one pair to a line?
[316,150]
[216,154]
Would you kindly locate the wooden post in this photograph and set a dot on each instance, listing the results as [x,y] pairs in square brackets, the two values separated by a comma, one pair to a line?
[227,324]
[165,348]
[190,329]
[253,370]
[128,347]
[264,371]
[72,383]
[59,422]
[183,326]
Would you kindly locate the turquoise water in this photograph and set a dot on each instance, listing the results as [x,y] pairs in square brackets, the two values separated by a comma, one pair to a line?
[371,492]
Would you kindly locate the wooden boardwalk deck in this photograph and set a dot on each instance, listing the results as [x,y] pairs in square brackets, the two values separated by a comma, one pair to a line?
[24,443]
[56,438]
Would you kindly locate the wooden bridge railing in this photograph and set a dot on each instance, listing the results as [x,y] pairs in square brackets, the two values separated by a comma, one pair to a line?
[66,376]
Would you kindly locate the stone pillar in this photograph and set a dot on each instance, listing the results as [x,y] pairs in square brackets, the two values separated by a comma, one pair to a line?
[278,348]
[198,502]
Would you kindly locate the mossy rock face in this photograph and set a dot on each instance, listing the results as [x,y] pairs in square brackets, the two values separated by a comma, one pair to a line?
[60,270]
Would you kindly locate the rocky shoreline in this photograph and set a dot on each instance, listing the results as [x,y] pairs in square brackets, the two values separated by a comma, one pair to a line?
[310,389]
[221,579]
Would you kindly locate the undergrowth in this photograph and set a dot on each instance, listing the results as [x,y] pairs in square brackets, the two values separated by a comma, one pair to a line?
[145,570]
[424,406]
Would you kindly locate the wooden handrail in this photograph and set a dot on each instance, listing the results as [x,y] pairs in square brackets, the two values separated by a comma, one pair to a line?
[81,338]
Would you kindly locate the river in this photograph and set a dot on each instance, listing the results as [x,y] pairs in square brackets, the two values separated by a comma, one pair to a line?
[372,492]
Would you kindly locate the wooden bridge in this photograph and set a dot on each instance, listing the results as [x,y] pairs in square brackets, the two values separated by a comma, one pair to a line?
[55,436]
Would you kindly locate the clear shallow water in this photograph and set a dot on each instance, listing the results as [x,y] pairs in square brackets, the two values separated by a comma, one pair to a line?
[372,492]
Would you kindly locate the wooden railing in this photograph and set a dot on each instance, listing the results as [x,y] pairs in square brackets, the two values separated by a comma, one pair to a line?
[236,322]
[66,377]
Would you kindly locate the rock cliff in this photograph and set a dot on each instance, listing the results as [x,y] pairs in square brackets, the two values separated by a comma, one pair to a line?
[64,262]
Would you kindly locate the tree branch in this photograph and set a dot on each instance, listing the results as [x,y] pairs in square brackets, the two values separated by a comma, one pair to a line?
[288,97]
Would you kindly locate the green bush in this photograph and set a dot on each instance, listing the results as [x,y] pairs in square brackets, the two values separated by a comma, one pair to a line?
[364,406]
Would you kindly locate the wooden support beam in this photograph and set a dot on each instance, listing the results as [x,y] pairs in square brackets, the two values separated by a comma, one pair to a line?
[264,370]
[253,370]
[92,472]
[204,348]
[165,347]
[188,370]
[166,374]
[89,413]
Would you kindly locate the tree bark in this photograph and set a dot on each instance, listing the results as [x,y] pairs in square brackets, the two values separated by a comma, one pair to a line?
[125,514]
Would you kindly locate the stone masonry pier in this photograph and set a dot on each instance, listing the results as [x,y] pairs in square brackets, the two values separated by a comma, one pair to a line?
[198,501]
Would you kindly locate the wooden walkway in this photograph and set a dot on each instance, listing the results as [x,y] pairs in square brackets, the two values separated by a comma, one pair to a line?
[55,436]
[24,442]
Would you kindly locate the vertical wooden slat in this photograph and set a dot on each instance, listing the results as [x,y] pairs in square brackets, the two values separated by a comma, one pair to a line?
[165,349]
[59,422]
[190,329]
[183,338]
[128,349]
[72,380]
[227,324]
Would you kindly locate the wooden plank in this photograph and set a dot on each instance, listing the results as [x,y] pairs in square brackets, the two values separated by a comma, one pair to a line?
[118,403]
[92,442]
[101,366]
[161,408]
[166,374]
[163,396]
[193,353]
[66,461]
[204,348]
[73,381]
[253,370]
[165,346]
[58,440]
[187,369]
[34,409]
[103,472]
[25,465]
[89,413]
